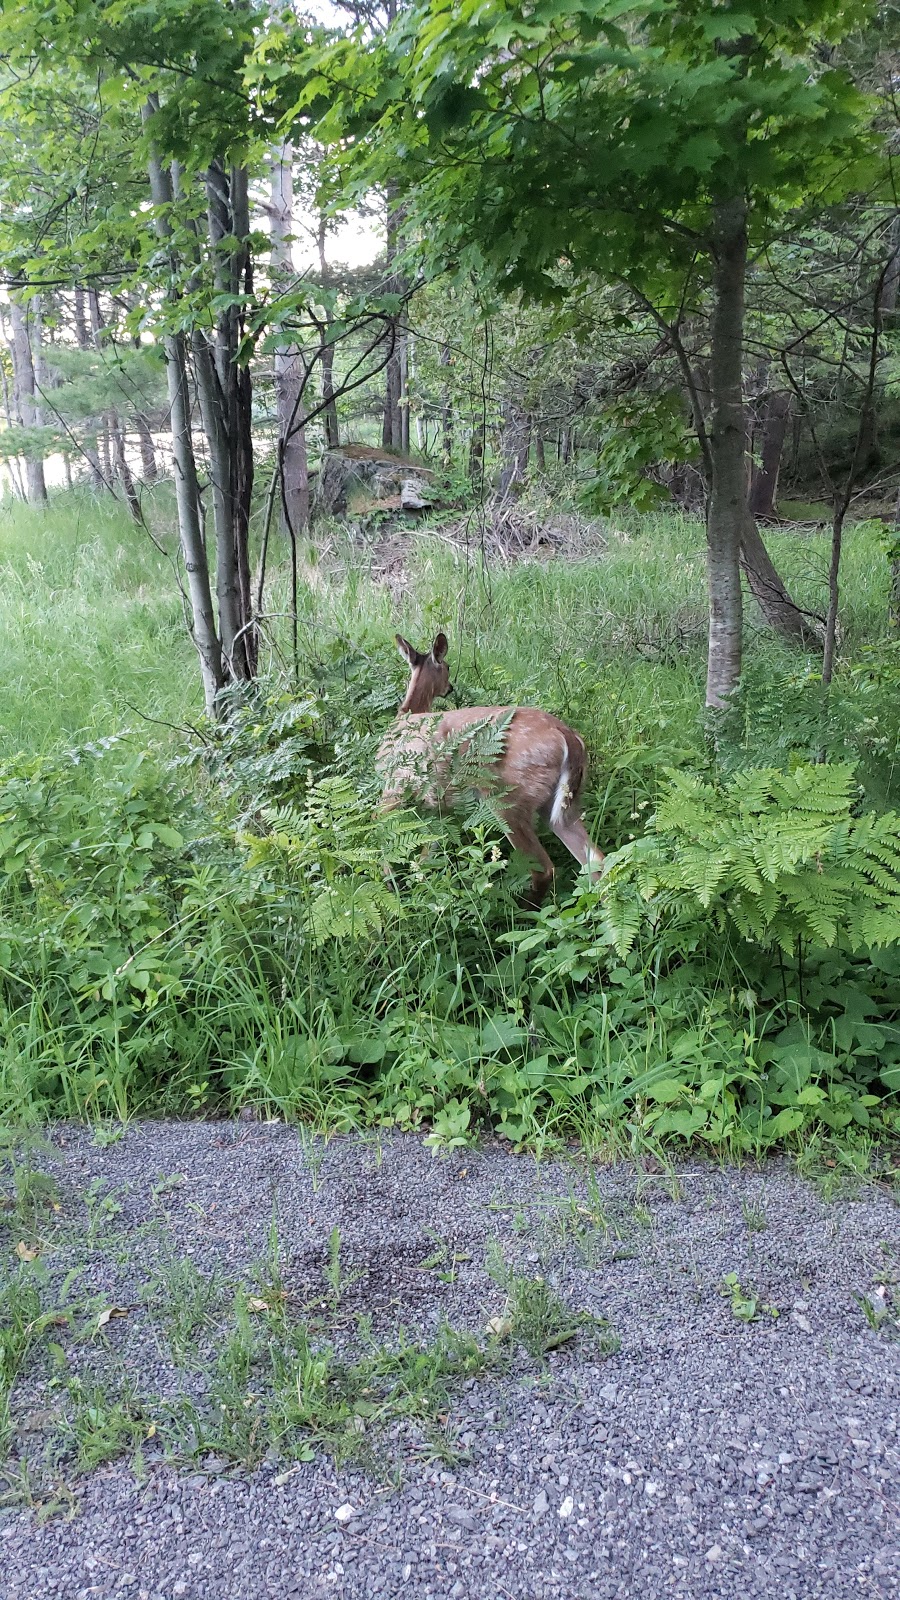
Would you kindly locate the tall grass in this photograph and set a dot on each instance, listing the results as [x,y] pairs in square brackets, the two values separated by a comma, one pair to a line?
[91,626]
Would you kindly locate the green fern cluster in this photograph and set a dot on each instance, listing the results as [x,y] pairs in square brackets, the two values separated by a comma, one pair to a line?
[778,856]
[335,845]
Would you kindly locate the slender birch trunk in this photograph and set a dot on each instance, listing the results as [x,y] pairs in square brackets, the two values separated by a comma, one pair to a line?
[289,365]
[329,415]
[26,402]
[446,407]
[190,527]
[395,429]
[727,442]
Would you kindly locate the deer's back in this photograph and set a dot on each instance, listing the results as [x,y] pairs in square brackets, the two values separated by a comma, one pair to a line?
[526,762]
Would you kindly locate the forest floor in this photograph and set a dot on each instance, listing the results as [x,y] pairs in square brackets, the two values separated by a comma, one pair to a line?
[278,1366]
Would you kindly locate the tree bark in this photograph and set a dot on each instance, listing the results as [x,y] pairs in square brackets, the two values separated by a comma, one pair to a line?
[446,408]
[13,466]
[395,428]
[187,495]
[515,447]
[124,471]
[81,326]
[26,403]
[727,511]
[329,415]
[764,477]
[289,366]
[476,455]
[85,342]
[225,394]
[148,449]
[780,611]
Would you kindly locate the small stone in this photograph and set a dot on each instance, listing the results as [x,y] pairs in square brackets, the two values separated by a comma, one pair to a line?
[462,1518]
[345,1513]
[567,1507]
[714,1553]
[541,1504]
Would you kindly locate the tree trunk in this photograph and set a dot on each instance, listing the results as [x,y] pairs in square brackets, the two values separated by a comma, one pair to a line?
[770,594]
[124,471]
[727,511]
[834,567]
[148,449]
[289,366]
[187,495]
[764,478]
[329,415]
[395,428]
[81,325]
[13,466]
[26,405]
[85,342]
[446,408]
[476,456]
[515,446]
[225,395]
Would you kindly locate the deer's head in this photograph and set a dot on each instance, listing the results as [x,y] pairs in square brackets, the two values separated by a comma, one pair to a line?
[429,674]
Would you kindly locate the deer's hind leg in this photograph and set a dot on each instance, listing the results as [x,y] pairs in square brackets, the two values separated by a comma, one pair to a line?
[571,831]
[521,835]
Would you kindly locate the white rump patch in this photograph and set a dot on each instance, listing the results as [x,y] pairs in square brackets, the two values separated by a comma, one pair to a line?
[562,795]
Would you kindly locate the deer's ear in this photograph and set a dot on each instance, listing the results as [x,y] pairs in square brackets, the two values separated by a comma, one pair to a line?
[410,656]
[439,648]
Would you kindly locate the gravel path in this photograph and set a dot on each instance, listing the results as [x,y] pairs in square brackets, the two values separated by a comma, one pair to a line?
[707,1457]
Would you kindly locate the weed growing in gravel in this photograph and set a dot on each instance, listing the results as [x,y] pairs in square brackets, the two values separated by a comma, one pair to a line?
[443,1260]
[755,1219]
[277,1387]
[102,1209]
[184,1301]
[104,1420]
[28,1193]
[108,1133]
[745,1305]
[535,1317]
[881,1310]
[20,1324]
[337,1278]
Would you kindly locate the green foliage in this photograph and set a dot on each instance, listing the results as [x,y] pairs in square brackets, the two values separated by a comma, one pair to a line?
[745,1305]
[778,857]
[200,925]
[570,119]
[635,435]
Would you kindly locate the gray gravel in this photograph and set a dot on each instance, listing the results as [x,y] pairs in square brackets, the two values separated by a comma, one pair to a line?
[708,1457]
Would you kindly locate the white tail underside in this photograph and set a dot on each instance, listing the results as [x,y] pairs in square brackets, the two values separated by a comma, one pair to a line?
[561,796]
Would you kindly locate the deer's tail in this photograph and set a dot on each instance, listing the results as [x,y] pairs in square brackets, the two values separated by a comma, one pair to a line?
[571,778]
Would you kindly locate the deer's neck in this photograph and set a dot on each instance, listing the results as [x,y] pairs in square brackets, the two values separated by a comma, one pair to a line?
[419,697]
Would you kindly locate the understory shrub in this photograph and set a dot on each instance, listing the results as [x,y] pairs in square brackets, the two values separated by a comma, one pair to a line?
[251,930]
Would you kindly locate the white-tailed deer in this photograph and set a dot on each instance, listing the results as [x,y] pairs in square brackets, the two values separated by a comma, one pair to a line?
[536,768]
